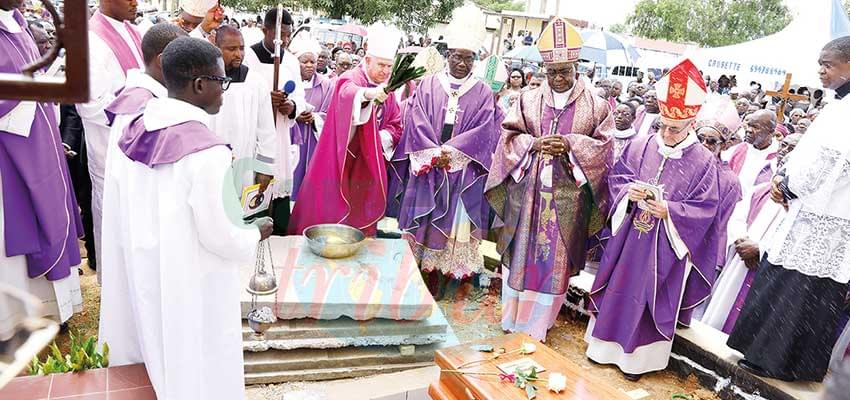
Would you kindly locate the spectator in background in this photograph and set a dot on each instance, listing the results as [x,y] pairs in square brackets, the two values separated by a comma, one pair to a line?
[802,125]
[360,52]
[742,105]
[509,42]
[322,67]
[535,81]
[343,63]
[515,85]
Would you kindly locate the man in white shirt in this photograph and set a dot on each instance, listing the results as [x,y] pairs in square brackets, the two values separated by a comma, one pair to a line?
[114,49]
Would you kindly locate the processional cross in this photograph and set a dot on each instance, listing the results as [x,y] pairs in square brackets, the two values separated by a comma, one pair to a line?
[785,95]
[72,35]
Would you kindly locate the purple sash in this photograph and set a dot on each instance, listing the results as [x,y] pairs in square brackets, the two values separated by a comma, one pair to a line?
[103,29]
[166,145]
[129,101]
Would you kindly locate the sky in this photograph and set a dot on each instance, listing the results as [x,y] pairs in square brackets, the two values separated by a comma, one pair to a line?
[609,12]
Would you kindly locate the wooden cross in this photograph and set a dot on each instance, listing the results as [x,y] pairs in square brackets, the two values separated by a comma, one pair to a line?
[786,95]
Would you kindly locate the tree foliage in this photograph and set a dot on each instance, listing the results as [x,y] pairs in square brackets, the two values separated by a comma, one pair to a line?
[409,15]
[501,5]
[707,22]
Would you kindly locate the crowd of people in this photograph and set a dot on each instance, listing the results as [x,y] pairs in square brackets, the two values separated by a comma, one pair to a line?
[685,197]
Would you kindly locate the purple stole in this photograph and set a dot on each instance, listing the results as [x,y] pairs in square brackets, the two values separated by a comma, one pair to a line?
[129,101]
[167,145]
[104,30]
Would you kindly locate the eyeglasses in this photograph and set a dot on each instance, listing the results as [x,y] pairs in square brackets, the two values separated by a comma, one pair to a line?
[465,60]
[225,81]
[516,76]
[711,141]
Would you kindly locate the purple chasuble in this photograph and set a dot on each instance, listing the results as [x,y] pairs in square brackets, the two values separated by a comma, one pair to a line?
[104,30]
[166,145]
[129,101]
[729,192]
[638,290]
[319,96]
[40,212]
[430,200]
[547,217]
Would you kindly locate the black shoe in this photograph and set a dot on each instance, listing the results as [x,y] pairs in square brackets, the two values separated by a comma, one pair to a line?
[632,377]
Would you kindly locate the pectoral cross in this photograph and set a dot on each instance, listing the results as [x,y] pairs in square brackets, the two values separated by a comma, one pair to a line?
[452,111]
[786,95]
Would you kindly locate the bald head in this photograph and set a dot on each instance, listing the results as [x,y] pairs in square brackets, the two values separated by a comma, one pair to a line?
[759,128]
[765,117]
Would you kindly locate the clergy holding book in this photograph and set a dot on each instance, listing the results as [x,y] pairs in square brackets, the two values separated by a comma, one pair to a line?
[548,184]
[660,259]
[357,140]
[179,234]
[786,329]
[450,133]
[246,121]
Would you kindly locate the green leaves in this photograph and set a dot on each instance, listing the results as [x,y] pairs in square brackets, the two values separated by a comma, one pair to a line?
[710,23]
[403,72]
[524,379]
[409,15]
[83,355]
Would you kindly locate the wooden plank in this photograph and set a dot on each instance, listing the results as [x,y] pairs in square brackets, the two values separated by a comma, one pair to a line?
[580,384]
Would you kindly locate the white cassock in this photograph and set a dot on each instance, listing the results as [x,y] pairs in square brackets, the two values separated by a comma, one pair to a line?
[246,123]
[729,283]
[106,78]
[121,333]
[60,299]
[287,153]
[175,231]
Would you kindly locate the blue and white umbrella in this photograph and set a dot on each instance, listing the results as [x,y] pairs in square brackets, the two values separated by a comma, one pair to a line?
[607,49]
[525,53]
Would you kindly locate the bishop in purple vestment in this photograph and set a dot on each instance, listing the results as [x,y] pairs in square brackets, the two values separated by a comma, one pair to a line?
[548,184]
[658,260]
[318,91]
[445,152]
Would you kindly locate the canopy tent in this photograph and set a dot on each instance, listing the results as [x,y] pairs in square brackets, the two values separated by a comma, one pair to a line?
[794,49]
[607,49]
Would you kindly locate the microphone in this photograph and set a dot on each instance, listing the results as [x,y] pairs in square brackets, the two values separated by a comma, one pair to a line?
[289,87]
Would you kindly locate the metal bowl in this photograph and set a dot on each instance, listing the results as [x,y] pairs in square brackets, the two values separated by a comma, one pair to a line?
[334,240]
[259,327]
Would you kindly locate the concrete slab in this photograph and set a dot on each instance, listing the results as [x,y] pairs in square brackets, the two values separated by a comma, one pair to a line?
[382,281]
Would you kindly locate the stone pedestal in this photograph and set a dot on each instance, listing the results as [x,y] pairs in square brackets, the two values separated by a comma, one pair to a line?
[363,315]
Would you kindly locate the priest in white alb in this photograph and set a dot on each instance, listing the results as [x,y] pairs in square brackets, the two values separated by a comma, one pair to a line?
[141,87]
[114,49]
[179,235]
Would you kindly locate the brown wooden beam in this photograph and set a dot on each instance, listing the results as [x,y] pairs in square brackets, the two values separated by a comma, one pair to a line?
[73,36]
